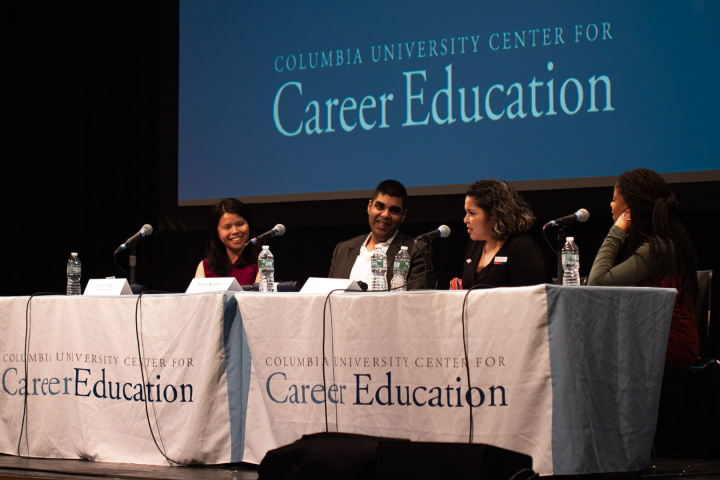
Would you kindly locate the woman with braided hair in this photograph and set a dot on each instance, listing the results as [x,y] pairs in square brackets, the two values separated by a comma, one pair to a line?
[649,247]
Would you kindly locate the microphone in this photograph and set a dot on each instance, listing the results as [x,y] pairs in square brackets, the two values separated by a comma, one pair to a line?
[277,230]
[144,232]
[580,216]
[442,231]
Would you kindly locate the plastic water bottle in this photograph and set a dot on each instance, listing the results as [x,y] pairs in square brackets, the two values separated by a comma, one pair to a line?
[571,262]
[74,272]
[401,266]
[266,264]
[378,266]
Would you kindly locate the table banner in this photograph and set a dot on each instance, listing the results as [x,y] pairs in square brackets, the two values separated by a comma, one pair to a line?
[607,349]
[568,375]
[85,394]
[395,366]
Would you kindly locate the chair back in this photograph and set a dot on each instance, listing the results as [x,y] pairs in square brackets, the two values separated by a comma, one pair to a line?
[702,304]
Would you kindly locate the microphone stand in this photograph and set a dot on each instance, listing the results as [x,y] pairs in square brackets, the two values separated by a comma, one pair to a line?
[427,254]
[560,245]
[133,262]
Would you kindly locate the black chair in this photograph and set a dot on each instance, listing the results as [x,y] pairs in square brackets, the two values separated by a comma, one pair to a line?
[689,416]
[702,316]
[706,376]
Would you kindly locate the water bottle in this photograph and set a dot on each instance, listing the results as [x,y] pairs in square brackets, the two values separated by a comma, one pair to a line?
[266,263]
[74,271]
[378,266]
[401,266]
[571,262]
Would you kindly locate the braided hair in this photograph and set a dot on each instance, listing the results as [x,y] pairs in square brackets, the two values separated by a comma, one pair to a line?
[654,221]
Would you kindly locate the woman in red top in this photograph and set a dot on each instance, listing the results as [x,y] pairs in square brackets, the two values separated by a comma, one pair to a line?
[230,228]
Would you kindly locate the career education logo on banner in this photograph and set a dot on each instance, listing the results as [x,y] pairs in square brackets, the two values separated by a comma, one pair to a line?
[107,377]
[434,96]
[397,366]
[366,389]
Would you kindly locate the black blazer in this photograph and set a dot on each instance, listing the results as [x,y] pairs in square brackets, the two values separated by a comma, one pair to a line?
[519,262]
[346,253]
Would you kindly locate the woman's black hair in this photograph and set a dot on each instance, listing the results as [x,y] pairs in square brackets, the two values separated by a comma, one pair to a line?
[215,250]
[506,210]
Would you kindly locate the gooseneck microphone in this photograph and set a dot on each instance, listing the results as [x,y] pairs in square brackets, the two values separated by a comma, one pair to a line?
[144,232]
[442,231]
[580,216]
[276,231]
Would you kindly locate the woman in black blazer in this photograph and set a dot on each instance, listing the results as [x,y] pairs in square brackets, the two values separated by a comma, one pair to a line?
[500,253]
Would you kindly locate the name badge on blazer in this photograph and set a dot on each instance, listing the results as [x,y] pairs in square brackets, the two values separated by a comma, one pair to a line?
[500,260]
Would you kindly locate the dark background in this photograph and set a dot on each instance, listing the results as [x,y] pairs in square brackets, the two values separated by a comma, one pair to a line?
[90,149]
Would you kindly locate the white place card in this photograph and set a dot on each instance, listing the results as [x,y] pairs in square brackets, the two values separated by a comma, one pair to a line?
[222,284]
[327,285]
[107,286]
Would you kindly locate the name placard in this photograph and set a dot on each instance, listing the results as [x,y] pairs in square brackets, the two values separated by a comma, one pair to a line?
[327,285]
[222,284]
[107,286]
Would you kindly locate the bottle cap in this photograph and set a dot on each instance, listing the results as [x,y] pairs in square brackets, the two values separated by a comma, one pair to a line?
[569,239]
[266,247]
[403,247]
[74,254]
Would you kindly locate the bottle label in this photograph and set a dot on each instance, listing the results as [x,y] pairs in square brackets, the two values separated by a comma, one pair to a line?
[265,263]
[377,263]
[570,257]
[401,266]
[73,270]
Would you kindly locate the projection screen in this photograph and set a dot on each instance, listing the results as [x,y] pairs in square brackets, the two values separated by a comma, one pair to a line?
[282,101]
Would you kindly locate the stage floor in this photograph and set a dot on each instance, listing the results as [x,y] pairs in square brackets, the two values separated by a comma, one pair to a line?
[23,468]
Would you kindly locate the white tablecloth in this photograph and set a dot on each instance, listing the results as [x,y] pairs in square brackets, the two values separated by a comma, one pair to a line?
[569,376]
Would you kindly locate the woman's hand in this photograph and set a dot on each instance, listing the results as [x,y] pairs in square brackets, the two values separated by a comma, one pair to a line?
[623,221]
